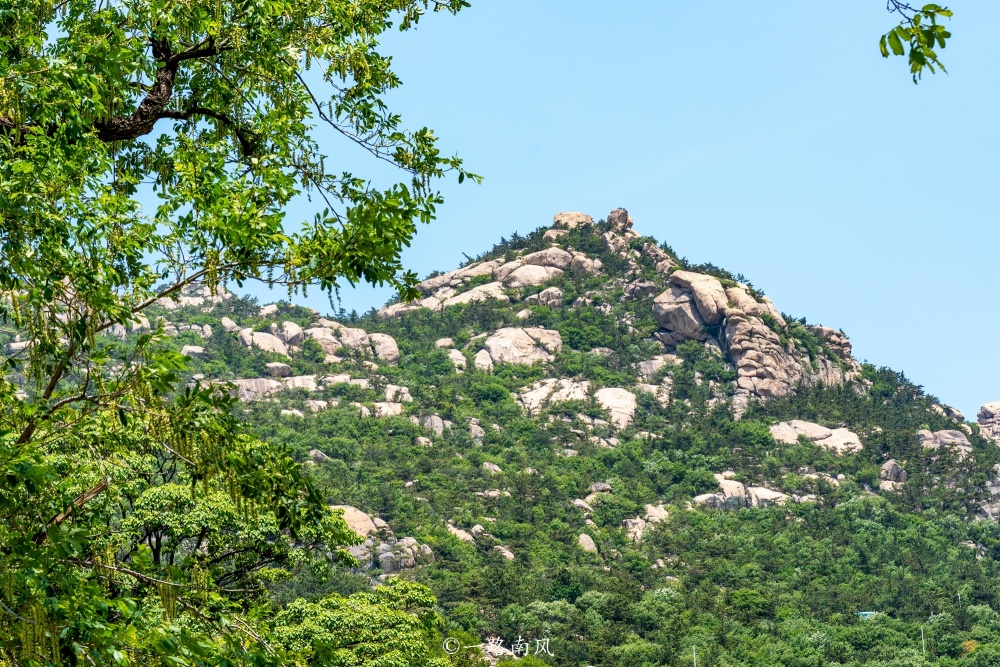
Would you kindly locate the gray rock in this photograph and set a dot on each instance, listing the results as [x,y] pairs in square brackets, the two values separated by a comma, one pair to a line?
[892,472]
[277,369]
[989,421]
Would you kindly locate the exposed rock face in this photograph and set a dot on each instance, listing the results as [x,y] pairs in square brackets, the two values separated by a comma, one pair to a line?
[355,339]
[551,391]
[492,468]
[357,520]
[707,291]
[387,409]
[675,310]
[512,345]
[620,220]
[530,275]
[264,341]
[656,513]
[572,220]
[396,393]
[948,439]
[551,297]
[317,456]
[457,360]
[327,339]
[892,476]
[460,534]
[483,361]
[433,423]
[763,497]
[989,420]
[229,326]
[268,310]
[839,440]
[586,543]
[504,551]
[582,265]
[292,413]
[620,404]
[634,528]
[480,293]
[252,389]
[307,382]
[291,333]
[385,347]
[192,350]
[276,369]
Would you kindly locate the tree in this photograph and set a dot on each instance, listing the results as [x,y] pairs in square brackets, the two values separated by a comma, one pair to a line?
[920,31]
[148,147]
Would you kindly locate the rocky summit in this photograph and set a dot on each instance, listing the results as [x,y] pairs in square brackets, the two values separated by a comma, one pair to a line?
[581,436]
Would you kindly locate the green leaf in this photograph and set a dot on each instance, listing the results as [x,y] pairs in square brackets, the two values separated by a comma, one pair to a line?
[895,43]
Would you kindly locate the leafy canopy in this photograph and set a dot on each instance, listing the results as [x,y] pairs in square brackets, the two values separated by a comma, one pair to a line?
[148,147]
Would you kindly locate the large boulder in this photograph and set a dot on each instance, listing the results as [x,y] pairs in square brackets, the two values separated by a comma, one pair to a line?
[620,220]
[955,441]
[552,391]
[387,409]
[530,275]
[891,471]
[572,220]
[553,257]
[763,497]
[581,265]
[264,341]
[252,389]
[306,382]
[838,440]
[355,339]
[513,345]
[326,338]
[385,347]
[620,404]
[276,369]
[586,543]
[481,293]
[483,361]
[357,520]
[707,291]
[733,494]
[675,310]
[291,333]
[989,421]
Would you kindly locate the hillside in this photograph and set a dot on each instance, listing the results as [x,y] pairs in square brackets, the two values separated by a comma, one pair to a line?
[581,436]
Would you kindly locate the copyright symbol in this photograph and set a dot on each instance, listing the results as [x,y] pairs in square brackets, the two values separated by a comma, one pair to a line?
[451,646]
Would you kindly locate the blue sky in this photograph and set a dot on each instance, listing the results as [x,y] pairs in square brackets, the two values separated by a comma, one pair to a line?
[770,139]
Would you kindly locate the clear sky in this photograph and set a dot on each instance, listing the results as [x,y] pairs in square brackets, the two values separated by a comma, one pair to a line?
[770,139]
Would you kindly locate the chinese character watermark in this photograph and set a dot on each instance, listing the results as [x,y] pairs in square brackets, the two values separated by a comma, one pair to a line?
[495,645]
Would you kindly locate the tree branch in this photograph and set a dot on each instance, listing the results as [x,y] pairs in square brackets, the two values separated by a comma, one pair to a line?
[77,503]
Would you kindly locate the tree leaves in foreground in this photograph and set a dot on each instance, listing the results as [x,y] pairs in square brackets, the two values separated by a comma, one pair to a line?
[917,35]
[146,146]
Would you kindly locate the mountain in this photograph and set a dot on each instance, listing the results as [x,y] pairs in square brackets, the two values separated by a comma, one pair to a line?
[581,437]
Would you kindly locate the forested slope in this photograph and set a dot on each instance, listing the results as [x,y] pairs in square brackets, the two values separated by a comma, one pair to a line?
[579,436]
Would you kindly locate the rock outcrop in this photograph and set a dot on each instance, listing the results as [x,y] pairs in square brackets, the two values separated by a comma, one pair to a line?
[620,404]
[954,441]
[512,345]
[552,391]
[839,440]
[989,421]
